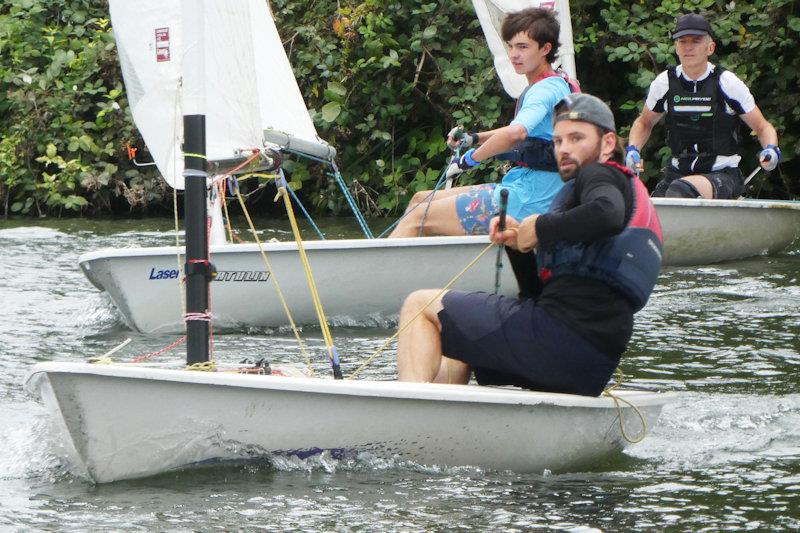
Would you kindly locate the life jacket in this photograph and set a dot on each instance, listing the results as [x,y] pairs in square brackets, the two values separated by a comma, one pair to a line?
[533,152]
[698,127]
[629,261]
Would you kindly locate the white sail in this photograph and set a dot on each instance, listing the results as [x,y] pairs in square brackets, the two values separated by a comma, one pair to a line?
[249,82]
[490,14]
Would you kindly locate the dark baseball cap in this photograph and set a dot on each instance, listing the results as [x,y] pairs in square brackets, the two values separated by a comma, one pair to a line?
[585,108]
[691,24]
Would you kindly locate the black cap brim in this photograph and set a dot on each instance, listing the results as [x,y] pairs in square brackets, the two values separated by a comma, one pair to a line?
[684,33]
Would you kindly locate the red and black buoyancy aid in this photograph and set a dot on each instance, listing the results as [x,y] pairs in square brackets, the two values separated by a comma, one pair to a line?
[628,261]
[698,126]
[534,152]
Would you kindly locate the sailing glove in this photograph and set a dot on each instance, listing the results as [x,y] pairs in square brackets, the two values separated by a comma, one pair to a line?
[458,138]
[465,162]
[633,159]
[769,157]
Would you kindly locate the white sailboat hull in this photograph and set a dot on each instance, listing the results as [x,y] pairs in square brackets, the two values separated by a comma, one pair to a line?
[364,280]
[358,280]
[125,422]
[698,232]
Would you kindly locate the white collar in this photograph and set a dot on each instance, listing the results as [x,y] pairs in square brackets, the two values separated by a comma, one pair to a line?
[709,69]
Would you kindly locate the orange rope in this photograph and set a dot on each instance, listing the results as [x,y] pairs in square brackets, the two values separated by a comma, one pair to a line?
[165,349]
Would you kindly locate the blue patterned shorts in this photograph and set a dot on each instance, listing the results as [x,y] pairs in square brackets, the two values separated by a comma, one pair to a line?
[476,208]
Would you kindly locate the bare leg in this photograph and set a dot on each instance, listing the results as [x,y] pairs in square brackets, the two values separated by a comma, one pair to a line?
[702,185]
[440,218]
[419,348]
[423,197]
[453,371]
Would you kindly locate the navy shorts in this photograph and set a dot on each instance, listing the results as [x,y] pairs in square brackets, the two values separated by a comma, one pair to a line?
[508,341]
[728,183]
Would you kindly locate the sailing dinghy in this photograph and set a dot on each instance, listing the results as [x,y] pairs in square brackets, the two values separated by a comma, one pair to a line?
[125,421]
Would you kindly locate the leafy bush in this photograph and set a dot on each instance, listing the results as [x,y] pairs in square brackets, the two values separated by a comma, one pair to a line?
[384,82]
[63,111]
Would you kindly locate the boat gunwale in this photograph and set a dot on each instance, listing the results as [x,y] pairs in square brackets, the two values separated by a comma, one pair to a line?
[394,390]
[291,246]
[791,205]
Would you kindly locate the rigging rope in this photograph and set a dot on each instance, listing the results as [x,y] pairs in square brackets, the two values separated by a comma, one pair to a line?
[350,201]
[274,279]
[427,201]
[323,323]
[222,190]
[404,326]
[617,400]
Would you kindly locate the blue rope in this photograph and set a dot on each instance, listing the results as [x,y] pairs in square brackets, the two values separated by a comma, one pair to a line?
[427,201]
[305,213]
[285,185]
[351,202]
[340,181]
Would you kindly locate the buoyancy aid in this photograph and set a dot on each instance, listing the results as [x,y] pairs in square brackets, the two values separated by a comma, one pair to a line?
[698,127]
[629,261]
[534,152]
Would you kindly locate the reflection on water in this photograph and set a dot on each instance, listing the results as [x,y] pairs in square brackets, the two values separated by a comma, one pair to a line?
[724,456]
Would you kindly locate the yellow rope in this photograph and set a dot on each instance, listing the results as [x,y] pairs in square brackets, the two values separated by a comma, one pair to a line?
[404,326]
[617,399]
[323,323]
[205,366]
[181,291]
[228,224]
[274,281]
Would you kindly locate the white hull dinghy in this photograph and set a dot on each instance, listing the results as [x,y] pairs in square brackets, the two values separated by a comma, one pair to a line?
[129,421]
[360,281]
[699,232]
[364,281]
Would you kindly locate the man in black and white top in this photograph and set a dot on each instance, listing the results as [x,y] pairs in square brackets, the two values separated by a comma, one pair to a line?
[703,103]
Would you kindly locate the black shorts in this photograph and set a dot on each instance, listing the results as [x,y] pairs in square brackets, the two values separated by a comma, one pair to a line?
[515,342]
[728,183]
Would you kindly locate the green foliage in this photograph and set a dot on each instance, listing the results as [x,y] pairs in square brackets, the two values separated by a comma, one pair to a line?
[384,82]
[63,110]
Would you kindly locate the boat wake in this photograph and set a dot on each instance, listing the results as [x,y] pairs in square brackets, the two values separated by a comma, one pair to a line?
[31,233]
[32,446]
[98,315]
[703,430]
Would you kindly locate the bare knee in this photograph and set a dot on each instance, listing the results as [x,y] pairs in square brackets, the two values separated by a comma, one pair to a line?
[419,197]
[690,187]
[428,302]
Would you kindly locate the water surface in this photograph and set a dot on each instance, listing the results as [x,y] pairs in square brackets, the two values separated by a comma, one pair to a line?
[726,455]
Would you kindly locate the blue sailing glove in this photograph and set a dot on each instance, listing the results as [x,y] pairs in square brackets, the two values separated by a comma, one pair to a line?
[769,157]
[465,162]
[633,159]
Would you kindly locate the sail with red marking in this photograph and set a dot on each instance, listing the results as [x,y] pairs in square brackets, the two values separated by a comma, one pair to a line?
[249,83]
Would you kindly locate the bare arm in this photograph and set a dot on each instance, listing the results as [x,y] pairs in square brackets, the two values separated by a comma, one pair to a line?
[763,129]
[498,141]
[642,127]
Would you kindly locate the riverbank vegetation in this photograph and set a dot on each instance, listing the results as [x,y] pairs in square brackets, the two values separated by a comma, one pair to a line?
[384,83]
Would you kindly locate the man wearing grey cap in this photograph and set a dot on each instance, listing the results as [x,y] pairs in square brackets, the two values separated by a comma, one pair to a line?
[702,103]
[599,252]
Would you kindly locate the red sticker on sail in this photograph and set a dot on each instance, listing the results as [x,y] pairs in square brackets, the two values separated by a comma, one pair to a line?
[162,44]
